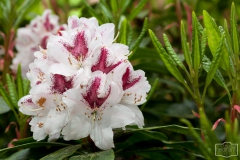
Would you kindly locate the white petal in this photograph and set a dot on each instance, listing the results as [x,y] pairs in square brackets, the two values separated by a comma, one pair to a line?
[139,120]
[102,137]
[54,137]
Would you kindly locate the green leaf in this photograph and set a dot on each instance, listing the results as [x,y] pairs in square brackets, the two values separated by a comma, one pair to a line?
[207,154]
[209,138]
[139,39]
[6,97]
[185,47]
[144,53]
[137,9]
[23,141]
[26,85]
[124,5]
[12,89]
[92,12]
[62,153]
[215,63]
[22,11]
[3,106]
[106,10]
[31,145]
[114,6]
[153,87]
[214,38]
[203,43]
[20,83]
[173,128]
[124,32]
[103,155]
[195,44]
[20,155]
[170,64]
[172,53]
[234,30]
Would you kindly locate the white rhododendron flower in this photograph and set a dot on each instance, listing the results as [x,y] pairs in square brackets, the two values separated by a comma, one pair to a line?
[32,36]
[83,85]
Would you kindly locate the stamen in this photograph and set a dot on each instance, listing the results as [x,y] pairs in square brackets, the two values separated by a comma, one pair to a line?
[33,110]
[116,37]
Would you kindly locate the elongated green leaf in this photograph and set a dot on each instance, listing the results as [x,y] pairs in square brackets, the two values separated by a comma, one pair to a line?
[114,6]
[6,97]
[106,10]
[3,106]
[20,82]
[173,128]
[218,76]
[139,39]
[22,11]
[20,155]
[124,32]
[209,137]
[185,46]
[12,89]
[103,155]
[196,55]
[92,12]
[144,53]
[214,38]
[26,85]
[62,153]
[124,4]
[215,63]
[31,145]
[130,35]
[23,141]
[137,9]
[171,66]
[203,42]
[207,154]
[153,87]
[171,52]
[234,30]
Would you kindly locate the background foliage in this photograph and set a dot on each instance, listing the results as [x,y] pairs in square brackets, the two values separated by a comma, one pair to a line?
[168,102]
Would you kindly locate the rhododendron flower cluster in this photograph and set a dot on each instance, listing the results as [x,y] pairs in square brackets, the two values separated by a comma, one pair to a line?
[82,84]
[32,36]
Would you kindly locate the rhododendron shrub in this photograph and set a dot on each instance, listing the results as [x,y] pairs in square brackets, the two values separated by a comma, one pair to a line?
[82,84]
[33,36]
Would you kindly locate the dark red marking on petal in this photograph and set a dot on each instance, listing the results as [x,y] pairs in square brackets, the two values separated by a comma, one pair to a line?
[60,83]
[126,80]
[38,82]
[48,26]
[74,24]
[91,95]
[79,48]
[102,63]
[44,42]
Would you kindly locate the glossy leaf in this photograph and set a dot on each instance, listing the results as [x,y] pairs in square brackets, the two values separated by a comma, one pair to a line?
[20,83]
[234,30]
[62,153]
[140,37]
[196,55]
[153,87]
[103,155]
[172,53]
[137,9]
[171,66]
[215,63]
[3,106]
[214,38]
[20,155]
[185,47]
[12,89]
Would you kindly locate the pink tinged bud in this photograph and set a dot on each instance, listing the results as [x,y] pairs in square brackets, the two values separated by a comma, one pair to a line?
[127,81]
[16,129]
[10,145]
[216,123]
[102,63]
[79,49]
[91,96]
[60,83]
[237,108]
[195,114]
